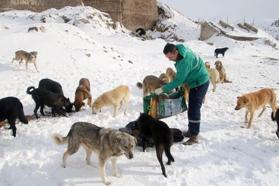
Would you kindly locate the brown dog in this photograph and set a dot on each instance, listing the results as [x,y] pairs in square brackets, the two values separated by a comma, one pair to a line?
[82,93]
[115,97]
[149,84]
[213,75]
[222,73]
[255,100]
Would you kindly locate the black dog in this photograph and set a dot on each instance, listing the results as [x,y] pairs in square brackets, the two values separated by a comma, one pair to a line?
[11,108]
[220,51]
[33,28]
[44,97]
[160,133]
[140,32]
[276,118]
[54,87]
[132,129]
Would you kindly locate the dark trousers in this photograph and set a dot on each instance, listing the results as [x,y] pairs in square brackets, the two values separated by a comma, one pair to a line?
[196,97]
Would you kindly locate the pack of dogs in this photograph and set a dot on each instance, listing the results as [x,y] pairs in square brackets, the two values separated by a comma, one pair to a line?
[145,131]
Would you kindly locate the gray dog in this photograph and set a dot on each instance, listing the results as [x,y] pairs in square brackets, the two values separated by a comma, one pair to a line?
[107,143]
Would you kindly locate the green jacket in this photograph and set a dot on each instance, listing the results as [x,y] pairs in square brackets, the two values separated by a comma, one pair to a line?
[189,70]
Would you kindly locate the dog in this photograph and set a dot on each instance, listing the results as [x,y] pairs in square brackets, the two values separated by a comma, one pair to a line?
[140,32]
[222,51]
[82,93]
[132,129]
[116,97]
[107,143]
[160,133]
[222,73]
[44,97]
[213,75]
[255,100]
[149,84]
[33,29]
[31,57]
[171,75]
[55,87]
[164,78]
[11,108]
[275,117]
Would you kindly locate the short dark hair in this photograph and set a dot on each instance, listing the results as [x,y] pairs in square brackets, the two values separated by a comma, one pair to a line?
[169,48]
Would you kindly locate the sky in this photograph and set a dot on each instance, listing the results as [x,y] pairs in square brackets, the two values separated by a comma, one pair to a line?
[233,10]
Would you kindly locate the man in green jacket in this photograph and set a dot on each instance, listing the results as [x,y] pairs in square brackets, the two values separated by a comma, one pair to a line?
[190,70]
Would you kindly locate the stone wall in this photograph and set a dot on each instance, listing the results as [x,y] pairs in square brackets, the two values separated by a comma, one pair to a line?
[132,13]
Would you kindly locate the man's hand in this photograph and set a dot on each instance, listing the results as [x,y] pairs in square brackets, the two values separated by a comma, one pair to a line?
[158,91]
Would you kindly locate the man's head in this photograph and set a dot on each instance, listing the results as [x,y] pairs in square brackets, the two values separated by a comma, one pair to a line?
[171,52]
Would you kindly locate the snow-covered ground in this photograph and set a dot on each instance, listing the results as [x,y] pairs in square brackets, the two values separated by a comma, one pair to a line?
[226,155]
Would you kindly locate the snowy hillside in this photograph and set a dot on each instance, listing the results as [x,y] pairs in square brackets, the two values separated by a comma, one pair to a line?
[173,26]
[88,46]
[271,27]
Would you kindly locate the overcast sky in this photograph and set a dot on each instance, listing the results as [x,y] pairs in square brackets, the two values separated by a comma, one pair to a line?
[234,10]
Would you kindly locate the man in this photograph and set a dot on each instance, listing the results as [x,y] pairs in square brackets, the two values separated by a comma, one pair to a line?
[190,70]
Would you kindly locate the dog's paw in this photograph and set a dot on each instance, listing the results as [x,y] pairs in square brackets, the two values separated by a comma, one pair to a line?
[106,182]
[117,175]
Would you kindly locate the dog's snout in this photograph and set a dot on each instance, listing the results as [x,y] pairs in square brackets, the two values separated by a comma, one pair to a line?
[236,108]
[129,155]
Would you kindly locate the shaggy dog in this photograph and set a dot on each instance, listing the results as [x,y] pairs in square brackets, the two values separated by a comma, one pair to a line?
[275,117]
[222,72]
[44,97]
[160,133]
[31,57]
[54,87]
[105,142]
[116,97]
[11,108]
[220,51]
[255,100]
[213,75]
[82,93]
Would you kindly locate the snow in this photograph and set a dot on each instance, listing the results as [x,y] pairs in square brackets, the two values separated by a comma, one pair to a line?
[226,155]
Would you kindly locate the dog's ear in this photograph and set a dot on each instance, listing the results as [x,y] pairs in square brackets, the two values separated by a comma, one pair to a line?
[135,140]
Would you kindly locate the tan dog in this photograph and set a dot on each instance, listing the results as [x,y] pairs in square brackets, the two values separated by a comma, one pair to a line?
[222,73]
[255,100]
[115,97]
[82,93]
[171,75]
[163,77]
[213,75]
[149,84]
[31,57]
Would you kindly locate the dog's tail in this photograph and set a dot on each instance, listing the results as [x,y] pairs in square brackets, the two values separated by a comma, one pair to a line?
[22,117]
[30,90]
[139,85]
[59,139]
[227,81]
